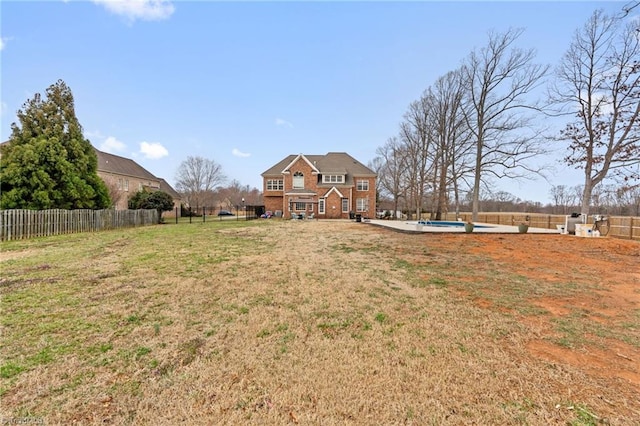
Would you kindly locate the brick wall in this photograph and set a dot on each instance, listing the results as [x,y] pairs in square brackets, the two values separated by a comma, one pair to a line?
[276,200]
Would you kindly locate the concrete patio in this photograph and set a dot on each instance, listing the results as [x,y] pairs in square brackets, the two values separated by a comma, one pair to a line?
[480,228]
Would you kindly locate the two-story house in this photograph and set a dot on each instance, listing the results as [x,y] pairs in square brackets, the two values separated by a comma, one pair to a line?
[124,177]
[331,186]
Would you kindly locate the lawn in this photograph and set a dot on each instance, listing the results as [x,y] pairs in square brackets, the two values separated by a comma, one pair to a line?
[319,322]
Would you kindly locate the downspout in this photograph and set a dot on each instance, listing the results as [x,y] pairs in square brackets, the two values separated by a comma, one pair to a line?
[351,200]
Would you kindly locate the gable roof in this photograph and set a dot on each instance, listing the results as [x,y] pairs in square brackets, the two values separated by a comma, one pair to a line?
[330,163]
[333,189]
[165,187]
[110,163]
[286,169]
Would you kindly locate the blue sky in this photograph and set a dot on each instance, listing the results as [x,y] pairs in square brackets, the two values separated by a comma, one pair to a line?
[247,83]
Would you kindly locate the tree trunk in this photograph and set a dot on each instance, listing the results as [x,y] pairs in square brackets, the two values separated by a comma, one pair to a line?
[476,182]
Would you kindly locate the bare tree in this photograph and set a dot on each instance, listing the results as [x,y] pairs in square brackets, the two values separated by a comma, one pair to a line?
[377,164]
[628,7]
[417,139]
[197,177]
[390,176]
[563,198]
[629,200]
[598,81]
[116,194]
[499,78]
[501,201]
[451,139]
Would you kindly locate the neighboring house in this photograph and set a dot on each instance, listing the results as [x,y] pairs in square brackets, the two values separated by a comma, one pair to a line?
[331,186]
[124,177]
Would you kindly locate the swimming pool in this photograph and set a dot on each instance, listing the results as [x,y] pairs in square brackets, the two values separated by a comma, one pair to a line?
[446,224]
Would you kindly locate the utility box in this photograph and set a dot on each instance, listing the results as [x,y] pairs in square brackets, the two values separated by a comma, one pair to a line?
[571,221]
[583,230]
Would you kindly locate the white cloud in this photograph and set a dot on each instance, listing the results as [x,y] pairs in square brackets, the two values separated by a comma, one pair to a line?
[112,145]
[239,153]
[3,108]
[94,135]
[153,150]
[145,10]
[281,122]
[3,42]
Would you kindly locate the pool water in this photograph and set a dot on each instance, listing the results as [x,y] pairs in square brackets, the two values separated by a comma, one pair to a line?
[447,224]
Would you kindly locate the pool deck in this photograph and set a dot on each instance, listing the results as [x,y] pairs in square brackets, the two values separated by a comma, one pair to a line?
[411,227]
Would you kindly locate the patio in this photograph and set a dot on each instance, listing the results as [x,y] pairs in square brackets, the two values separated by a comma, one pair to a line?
[480,228]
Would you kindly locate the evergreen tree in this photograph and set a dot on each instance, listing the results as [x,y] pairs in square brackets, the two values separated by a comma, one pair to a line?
[47,162]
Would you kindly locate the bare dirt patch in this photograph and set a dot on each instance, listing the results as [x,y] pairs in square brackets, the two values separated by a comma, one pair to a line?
[604,287]
[611,298]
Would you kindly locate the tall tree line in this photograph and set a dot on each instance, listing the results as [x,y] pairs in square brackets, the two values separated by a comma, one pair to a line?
[480,123]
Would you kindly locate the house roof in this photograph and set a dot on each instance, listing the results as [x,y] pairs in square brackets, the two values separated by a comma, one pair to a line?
[165,187]
[330,163]
[304,158]
[110,163]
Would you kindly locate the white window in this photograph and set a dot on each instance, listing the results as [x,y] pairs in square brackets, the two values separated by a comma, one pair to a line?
[321,206]
[300,206]
[126,184]
[120,184]
[362,185]
[332,178]
[298,180]
[362,204]
[275,184]
[345,205]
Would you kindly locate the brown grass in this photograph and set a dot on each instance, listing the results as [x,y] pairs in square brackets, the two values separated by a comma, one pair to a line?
[317,322]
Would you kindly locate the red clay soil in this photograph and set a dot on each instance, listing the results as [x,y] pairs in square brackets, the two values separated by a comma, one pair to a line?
[612,299]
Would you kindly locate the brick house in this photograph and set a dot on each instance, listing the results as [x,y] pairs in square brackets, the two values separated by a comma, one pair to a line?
[331,186]
[124,177]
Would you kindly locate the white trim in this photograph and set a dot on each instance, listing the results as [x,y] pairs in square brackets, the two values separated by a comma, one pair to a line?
[325,176]
[298,180]
[333,188]
[309,193]
[280,185]
[362,181]
[313,168]
[364,207]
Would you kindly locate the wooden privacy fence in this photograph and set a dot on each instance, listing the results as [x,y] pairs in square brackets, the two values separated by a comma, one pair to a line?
[23,224]
[620,226]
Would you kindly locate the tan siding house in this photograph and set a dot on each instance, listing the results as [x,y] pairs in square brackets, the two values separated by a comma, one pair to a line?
[124,177]
[331,186]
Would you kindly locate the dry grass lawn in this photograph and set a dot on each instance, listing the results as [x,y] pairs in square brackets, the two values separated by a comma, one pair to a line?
[314,322]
